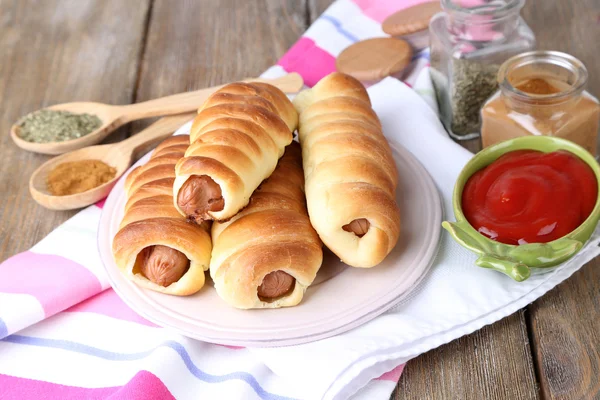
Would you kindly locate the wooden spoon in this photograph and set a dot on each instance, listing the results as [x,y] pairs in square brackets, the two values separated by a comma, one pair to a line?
[118,155]
[115,116]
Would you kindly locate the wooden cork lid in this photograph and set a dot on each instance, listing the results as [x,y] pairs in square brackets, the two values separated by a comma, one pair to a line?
[374,59]
[411,20]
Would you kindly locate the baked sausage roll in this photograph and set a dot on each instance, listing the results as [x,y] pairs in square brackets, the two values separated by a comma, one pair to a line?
[351,177]
[268,254]
[156,247]
[236,139]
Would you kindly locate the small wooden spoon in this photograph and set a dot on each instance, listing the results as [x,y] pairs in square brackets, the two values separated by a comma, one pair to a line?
[115,116]
[118,155]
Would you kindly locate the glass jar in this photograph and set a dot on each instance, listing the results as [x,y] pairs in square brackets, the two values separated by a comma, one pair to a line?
[542,93]
[470,39]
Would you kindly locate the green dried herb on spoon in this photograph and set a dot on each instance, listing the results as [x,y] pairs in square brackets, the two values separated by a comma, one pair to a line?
[45,126]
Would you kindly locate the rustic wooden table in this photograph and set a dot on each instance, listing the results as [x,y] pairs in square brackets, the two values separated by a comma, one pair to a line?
[122,52]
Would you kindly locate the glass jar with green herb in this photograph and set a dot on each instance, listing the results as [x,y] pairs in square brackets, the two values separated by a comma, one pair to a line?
[469,41]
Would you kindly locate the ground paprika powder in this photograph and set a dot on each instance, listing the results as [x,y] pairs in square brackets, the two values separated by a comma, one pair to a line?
[78,176]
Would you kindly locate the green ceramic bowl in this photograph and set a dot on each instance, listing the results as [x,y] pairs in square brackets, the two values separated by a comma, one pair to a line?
[516,261]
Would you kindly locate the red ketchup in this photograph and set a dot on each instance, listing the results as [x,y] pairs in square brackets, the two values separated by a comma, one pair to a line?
[527,196]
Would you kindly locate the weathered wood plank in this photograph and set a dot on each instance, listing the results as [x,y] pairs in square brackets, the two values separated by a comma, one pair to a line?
[569,26]
[204,43]
[565,323]
[53,52]
[565,326]
[493,363]
[316,8]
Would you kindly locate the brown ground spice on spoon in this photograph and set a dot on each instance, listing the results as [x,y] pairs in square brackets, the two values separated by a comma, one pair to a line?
[78,176]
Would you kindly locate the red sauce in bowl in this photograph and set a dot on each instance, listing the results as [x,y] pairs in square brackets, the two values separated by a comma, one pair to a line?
[527,196]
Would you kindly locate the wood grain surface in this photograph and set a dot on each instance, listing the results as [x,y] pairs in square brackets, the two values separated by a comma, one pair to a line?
[217,47]
[565,323]
[569,26]
[565,332]
[53,52]
[493,363]
[316,8]
[120,52]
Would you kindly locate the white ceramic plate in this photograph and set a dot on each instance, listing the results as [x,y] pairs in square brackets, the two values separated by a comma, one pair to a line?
[341,298]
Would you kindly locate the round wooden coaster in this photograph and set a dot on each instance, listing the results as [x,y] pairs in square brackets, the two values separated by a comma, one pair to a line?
[411,20]
[373,59]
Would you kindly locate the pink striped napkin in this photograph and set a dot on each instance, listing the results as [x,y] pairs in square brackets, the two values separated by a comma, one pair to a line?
[65,334]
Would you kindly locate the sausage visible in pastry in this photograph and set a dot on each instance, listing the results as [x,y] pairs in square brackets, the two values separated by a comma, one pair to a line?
[156,247]
[162,265]
[198,196]
[351,177]
[268,254]
[237,138]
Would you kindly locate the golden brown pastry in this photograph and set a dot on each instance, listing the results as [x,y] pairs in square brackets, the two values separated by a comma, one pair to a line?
[268,254]
[236,139]
[156,247]
[351,177]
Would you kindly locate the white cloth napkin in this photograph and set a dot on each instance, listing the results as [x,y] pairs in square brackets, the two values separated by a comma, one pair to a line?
[455,299]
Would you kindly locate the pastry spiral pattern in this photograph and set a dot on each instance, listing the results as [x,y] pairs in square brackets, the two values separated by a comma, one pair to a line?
[350,174]
[156,247]
[236,140]
[268,254]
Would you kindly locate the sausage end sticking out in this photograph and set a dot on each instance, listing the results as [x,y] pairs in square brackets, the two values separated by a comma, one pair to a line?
[359,227]
[198,196]
[162,265]
[276,285]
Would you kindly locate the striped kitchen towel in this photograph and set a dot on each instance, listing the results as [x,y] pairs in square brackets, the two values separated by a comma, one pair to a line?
[64,334]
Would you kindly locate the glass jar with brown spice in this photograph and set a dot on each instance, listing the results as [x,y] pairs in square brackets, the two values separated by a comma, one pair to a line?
[542,93]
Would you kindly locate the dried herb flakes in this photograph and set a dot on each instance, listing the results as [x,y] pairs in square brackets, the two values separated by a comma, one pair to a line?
[45,126]
[474,82]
